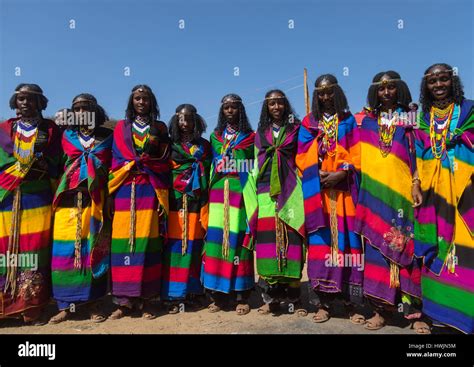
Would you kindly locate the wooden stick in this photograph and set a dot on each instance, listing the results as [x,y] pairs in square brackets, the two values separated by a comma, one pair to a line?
[306,92]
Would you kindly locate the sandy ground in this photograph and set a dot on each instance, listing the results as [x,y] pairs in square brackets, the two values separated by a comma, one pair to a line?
[204,322]
[199,322]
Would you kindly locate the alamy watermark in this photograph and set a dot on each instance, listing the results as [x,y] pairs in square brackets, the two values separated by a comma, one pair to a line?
[345,260]
[24,260]
[70,118]
[226,164]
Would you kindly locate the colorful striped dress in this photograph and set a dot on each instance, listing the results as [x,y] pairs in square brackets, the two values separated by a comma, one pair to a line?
[444,226]
[280,219]
[384,213]
[81,235]
[27,183]
[188,218]
[227,260]
[139,184]
[335,261]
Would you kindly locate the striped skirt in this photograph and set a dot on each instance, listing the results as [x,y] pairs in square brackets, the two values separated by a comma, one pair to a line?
[272,266]
[377,274]
[227,268]
[344,246]
[449,297]
[182,258]
[136,268]
[73,285]
[34,245]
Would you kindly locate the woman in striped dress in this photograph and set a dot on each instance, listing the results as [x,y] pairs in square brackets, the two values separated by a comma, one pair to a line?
[30,151]
[227,269]
[81,234]
[139,183]
[329,159]
[279,225]
[444,226]
[190,162]
[388,193]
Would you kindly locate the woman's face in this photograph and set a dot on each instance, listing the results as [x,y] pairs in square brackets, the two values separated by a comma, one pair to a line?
[439,83]
[276,106]
[231,111]
[141,102]
[27,104]
[185,121]
[326,94]
[81,110]
[81,107]
[387,93]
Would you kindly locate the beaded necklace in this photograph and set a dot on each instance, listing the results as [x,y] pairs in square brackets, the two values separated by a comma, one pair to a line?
[140,129]
[440,120]
[387,129]
[329,126]
[24,141]
[86,138]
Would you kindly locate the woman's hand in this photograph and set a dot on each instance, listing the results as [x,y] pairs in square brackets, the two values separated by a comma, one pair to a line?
[109,207]
[331,179]
[416,194]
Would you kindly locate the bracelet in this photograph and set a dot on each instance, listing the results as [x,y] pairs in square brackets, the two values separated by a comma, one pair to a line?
[415,179]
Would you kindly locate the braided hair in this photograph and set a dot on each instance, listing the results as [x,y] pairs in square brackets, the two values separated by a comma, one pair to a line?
[457,91]
[288,117]
[340,100]
[244,124]
[41,100]
[99,112]
[199,123]
[403,92]
[154,113]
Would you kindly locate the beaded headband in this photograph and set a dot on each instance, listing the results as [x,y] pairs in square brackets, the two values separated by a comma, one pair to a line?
[83,99]
[386,81]
[232,100]
[438,72]
[270,98]
[325,86]
[141,90]
[28,90]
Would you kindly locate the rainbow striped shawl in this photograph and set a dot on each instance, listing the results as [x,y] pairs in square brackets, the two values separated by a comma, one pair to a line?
[10,175]
[284,184]
[446,188]
[190,170]
[124,158]
[307,160]
[241,149]
[81,165]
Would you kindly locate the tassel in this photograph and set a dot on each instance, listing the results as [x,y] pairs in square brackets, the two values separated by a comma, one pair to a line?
[184,237]
[131,238]
[394,275]
[13,243]
[225,238]
[281,241]
[78,242]
[450,261]
[333,225]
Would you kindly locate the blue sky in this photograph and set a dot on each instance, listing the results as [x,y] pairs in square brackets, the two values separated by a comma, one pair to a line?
[196,64]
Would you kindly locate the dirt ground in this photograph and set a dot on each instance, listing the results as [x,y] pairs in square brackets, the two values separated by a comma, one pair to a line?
[203,322]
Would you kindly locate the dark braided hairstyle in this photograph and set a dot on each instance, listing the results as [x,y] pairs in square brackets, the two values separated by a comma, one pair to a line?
[457,91]
[199,123]
[154,114]
[244,124]
[99,112]
[41,100]
[403,92]
[288,117]
[340,100]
